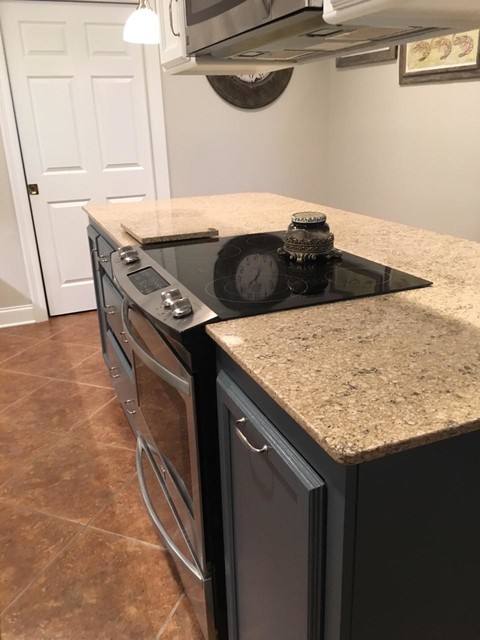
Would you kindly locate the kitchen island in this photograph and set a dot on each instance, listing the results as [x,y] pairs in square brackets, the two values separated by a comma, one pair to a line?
[358,388]
[387,373]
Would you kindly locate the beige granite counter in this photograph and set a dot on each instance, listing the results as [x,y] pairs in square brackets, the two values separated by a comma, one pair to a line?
[368,377]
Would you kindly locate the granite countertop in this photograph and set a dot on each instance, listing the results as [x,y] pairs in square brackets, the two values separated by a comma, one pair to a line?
[368,377]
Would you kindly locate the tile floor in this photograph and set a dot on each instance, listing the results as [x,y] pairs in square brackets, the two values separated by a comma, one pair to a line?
[79,559]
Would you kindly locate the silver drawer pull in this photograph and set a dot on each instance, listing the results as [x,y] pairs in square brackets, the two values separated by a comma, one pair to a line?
[124,338]
[108,310]
[111,370]
[170,13]
[244,440]
[103,258]
[127,402]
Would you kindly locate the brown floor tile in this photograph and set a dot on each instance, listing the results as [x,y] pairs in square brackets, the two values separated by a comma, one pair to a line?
[72,479]
[20,444]
[58,406]
[28,542]
[110,426]
[92,371]
[41,330]
[183,624]
[127,516]
[12,344]
[83,330]
[102,588]
[50,357]
[14,386]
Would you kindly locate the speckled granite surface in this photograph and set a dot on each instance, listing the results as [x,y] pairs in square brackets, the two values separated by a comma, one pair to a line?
[364,378]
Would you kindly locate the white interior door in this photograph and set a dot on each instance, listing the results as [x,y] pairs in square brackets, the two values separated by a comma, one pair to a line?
[81,104]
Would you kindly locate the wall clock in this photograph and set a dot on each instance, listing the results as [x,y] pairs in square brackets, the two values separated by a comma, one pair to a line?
[251,91]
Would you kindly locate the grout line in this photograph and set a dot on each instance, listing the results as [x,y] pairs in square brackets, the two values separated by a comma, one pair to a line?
[111,499]
[150,545]
[169,617]
[23,398]
[45,568]
[85,384]
[21,373]
[82,528]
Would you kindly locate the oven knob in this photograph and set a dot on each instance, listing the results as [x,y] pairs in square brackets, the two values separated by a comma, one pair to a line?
[128,254]
[123,250]
[181,308]
[130,257]
[170,296]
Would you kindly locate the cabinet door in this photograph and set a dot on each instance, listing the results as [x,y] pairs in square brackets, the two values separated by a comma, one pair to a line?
[172,32]
[274,505]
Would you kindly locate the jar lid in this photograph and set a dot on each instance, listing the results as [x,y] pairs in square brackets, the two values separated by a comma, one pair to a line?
[309,217]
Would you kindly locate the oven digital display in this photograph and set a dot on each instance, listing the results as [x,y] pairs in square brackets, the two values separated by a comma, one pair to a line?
[147,280]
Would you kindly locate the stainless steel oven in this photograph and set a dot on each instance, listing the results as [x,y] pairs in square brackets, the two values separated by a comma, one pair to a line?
[177,444]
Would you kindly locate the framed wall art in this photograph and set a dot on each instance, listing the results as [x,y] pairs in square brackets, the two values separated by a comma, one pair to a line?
[385,54]
[443,59]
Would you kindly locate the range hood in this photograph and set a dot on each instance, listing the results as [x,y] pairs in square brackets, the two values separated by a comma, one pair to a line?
[317,30]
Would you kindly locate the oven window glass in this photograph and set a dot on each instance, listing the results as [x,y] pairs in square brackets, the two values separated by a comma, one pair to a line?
[165,412]
[201,10]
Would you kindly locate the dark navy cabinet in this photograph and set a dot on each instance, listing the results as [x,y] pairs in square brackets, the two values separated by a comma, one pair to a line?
[275,508]
[116,349]
[316,550]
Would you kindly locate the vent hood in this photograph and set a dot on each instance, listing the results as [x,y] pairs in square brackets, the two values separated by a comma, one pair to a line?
[339,27]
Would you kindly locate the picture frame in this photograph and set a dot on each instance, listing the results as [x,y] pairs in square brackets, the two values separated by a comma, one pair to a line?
[446,58]
[385,54]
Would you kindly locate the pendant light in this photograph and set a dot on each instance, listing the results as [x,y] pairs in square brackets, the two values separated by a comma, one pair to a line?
[142,26]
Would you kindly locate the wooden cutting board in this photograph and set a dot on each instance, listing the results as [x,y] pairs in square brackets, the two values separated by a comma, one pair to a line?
[167,229]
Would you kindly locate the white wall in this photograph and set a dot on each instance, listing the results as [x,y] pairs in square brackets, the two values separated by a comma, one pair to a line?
[14,290]
[214,147]
[409,154]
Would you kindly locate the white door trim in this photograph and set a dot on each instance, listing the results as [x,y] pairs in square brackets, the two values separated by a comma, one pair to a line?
[153,74]
[20,198]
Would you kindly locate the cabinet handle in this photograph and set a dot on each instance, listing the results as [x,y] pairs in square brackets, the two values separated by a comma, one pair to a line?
[111,370]
[103,258]
[244,440]
[127,402]
[106,309]
[124,338]
[94,254]
[170,13]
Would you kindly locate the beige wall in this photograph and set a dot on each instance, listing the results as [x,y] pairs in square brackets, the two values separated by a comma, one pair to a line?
[409,154]
[214,147]
[13,278]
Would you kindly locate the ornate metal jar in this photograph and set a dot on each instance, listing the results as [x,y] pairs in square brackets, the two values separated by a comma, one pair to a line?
[309,237]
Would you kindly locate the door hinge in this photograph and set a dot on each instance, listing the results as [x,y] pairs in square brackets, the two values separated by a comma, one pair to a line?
[32,189]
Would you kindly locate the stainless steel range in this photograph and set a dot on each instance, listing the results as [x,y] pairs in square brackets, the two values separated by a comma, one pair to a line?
[171,292]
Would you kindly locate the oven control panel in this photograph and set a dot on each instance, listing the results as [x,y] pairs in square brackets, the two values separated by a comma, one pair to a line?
[150,287]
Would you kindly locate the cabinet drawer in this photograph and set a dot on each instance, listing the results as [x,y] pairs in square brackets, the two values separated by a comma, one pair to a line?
[122,376]
[274,506]
[113,314]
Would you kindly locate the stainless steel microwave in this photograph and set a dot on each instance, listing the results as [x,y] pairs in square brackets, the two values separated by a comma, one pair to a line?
[302,30]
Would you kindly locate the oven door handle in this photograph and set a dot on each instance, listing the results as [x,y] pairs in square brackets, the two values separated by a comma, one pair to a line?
[170,378]
[142,447]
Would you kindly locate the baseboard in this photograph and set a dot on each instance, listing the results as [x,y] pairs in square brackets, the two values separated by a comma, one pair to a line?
[12,316]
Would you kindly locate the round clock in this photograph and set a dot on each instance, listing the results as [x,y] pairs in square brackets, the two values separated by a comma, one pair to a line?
[251,91]
[253,276]
[256,276]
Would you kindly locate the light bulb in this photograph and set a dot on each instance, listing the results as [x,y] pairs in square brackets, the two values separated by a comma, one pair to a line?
[142,26]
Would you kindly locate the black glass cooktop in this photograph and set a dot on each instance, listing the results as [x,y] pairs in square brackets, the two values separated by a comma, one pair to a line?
[244,276]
